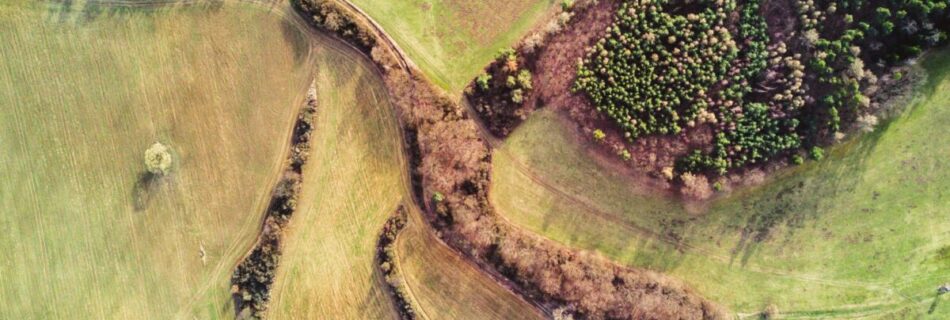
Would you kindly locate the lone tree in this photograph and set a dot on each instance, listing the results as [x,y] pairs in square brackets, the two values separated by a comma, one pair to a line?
[158,159]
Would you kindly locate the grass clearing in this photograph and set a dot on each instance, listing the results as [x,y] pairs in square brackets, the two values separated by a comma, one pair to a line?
[352,184]
[863,233]
[82,96]
[445,286]
[452,40]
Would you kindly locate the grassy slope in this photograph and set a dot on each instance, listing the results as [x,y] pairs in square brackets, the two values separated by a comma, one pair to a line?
[862,233]
[452,40]
[446,287]
[352,184]
[80,101]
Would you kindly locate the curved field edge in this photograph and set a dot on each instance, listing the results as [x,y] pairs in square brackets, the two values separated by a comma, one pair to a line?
[859,234]
[90,87]
[352,183]
[444,285]
[451,40]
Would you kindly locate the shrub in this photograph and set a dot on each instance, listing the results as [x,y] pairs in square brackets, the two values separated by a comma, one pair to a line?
[817,153]
[567,5]
[797,159]
[624,154]
[599,135]
[696,186]
[158,159]
[483,81]
[517,96]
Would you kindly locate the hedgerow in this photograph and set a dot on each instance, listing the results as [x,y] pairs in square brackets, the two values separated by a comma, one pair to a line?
[387,264]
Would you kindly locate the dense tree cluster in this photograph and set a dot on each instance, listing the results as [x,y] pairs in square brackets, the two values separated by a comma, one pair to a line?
[665,66]
[847,33]
[498,95]
[654,70]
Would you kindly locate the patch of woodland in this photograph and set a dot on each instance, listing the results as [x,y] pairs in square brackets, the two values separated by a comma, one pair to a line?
[387,264]
[501,95]
[706,95]
[450,167]
[252,279]
[498,95]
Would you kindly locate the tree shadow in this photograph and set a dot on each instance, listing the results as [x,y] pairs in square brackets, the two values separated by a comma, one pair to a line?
[798,195]
[297,39]
[142,192]
[933,306]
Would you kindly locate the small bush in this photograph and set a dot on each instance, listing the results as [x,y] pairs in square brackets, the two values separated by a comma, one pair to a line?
[817,153]
[798,159]
[158,159]
[599,135]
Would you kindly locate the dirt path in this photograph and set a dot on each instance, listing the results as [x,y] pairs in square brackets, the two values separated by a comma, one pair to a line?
[404,61]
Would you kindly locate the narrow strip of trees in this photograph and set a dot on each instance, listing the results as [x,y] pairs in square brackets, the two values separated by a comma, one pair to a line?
[448,158]
[387,263]
[252,279]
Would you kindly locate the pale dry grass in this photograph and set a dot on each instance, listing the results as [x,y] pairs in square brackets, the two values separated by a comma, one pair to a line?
[445,286]
[81,99]
[352,184]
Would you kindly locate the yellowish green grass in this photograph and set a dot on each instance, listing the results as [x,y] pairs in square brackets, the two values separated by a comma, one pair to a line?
[354,181]
[352,184]
[444,286]
[81,98]
[452,40]
[861,234]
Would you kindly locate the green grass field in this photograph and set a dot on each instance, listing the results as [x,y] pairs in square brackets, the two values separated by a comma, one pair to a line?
[452,40]
[83,92]
[353,183]
[861,234]
[445,286]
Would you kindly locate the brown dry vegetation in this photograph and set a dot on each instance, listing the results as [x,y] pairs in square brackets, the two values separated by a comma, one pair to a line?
[450,165]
